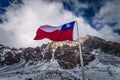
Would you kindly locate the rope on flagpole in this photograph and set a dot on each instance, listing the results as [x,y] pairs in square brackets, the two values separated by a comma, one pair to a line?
[80,52]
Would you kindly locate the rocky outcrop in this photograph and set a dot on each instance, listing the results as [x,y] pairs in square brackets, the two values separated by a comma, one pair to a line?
[93,42]
[65,52]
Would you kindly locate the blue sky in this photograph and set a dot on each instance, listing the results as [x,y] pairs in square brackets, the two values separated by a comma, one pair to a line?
[95,17]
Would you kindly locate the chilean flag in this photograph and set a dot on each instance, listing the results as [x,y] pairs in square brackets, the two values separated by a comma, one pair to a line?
[61,33]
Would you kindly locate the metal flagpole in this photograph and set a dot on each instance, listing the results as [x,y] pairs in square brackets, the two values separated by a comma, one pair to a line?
[80,52]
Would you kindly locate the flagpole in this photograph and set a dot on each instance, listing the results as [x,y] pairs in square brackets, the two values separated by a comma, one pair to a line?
[80,52]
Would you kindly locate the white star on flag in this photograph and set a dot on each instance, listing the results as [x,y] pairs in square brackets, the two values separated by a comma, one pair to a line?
[68,25]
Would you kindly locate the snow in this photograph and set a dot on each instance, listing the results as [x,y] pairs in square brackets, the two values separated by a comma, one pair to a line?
[104,67]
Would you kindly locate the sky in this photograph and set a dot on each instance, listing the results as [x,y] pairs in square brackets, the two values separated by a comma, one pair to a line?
[19,19]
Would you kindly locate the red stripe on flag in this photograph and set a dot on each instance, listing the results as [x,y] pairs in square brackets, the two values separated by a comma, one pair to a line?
[57,35]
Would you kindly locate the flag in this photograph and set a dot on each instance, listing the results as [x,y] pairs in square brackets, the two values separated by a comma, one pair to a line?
[60,33]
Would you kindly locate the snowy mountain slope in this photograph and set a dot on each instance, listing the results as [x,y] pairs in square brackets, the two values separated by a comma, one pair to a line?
[95,70]
[60,61]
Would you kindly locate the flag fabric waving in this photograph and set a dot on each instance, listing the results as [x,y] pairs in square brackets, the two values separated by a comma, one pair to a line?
[61,33]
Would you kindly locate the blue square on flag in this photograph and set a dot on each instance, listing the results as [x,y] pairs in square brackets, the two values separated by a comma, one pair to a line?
[67,26]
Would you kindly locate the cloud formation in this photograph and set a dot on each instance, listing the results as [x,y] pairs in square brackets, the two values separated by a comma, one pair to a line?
[21,22]
[109,18]
[109,14]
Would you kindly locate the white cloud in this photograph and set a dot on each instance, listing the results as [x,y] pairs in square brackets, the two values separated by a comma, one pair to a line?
[109,13]
[107,33]
[23,22]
